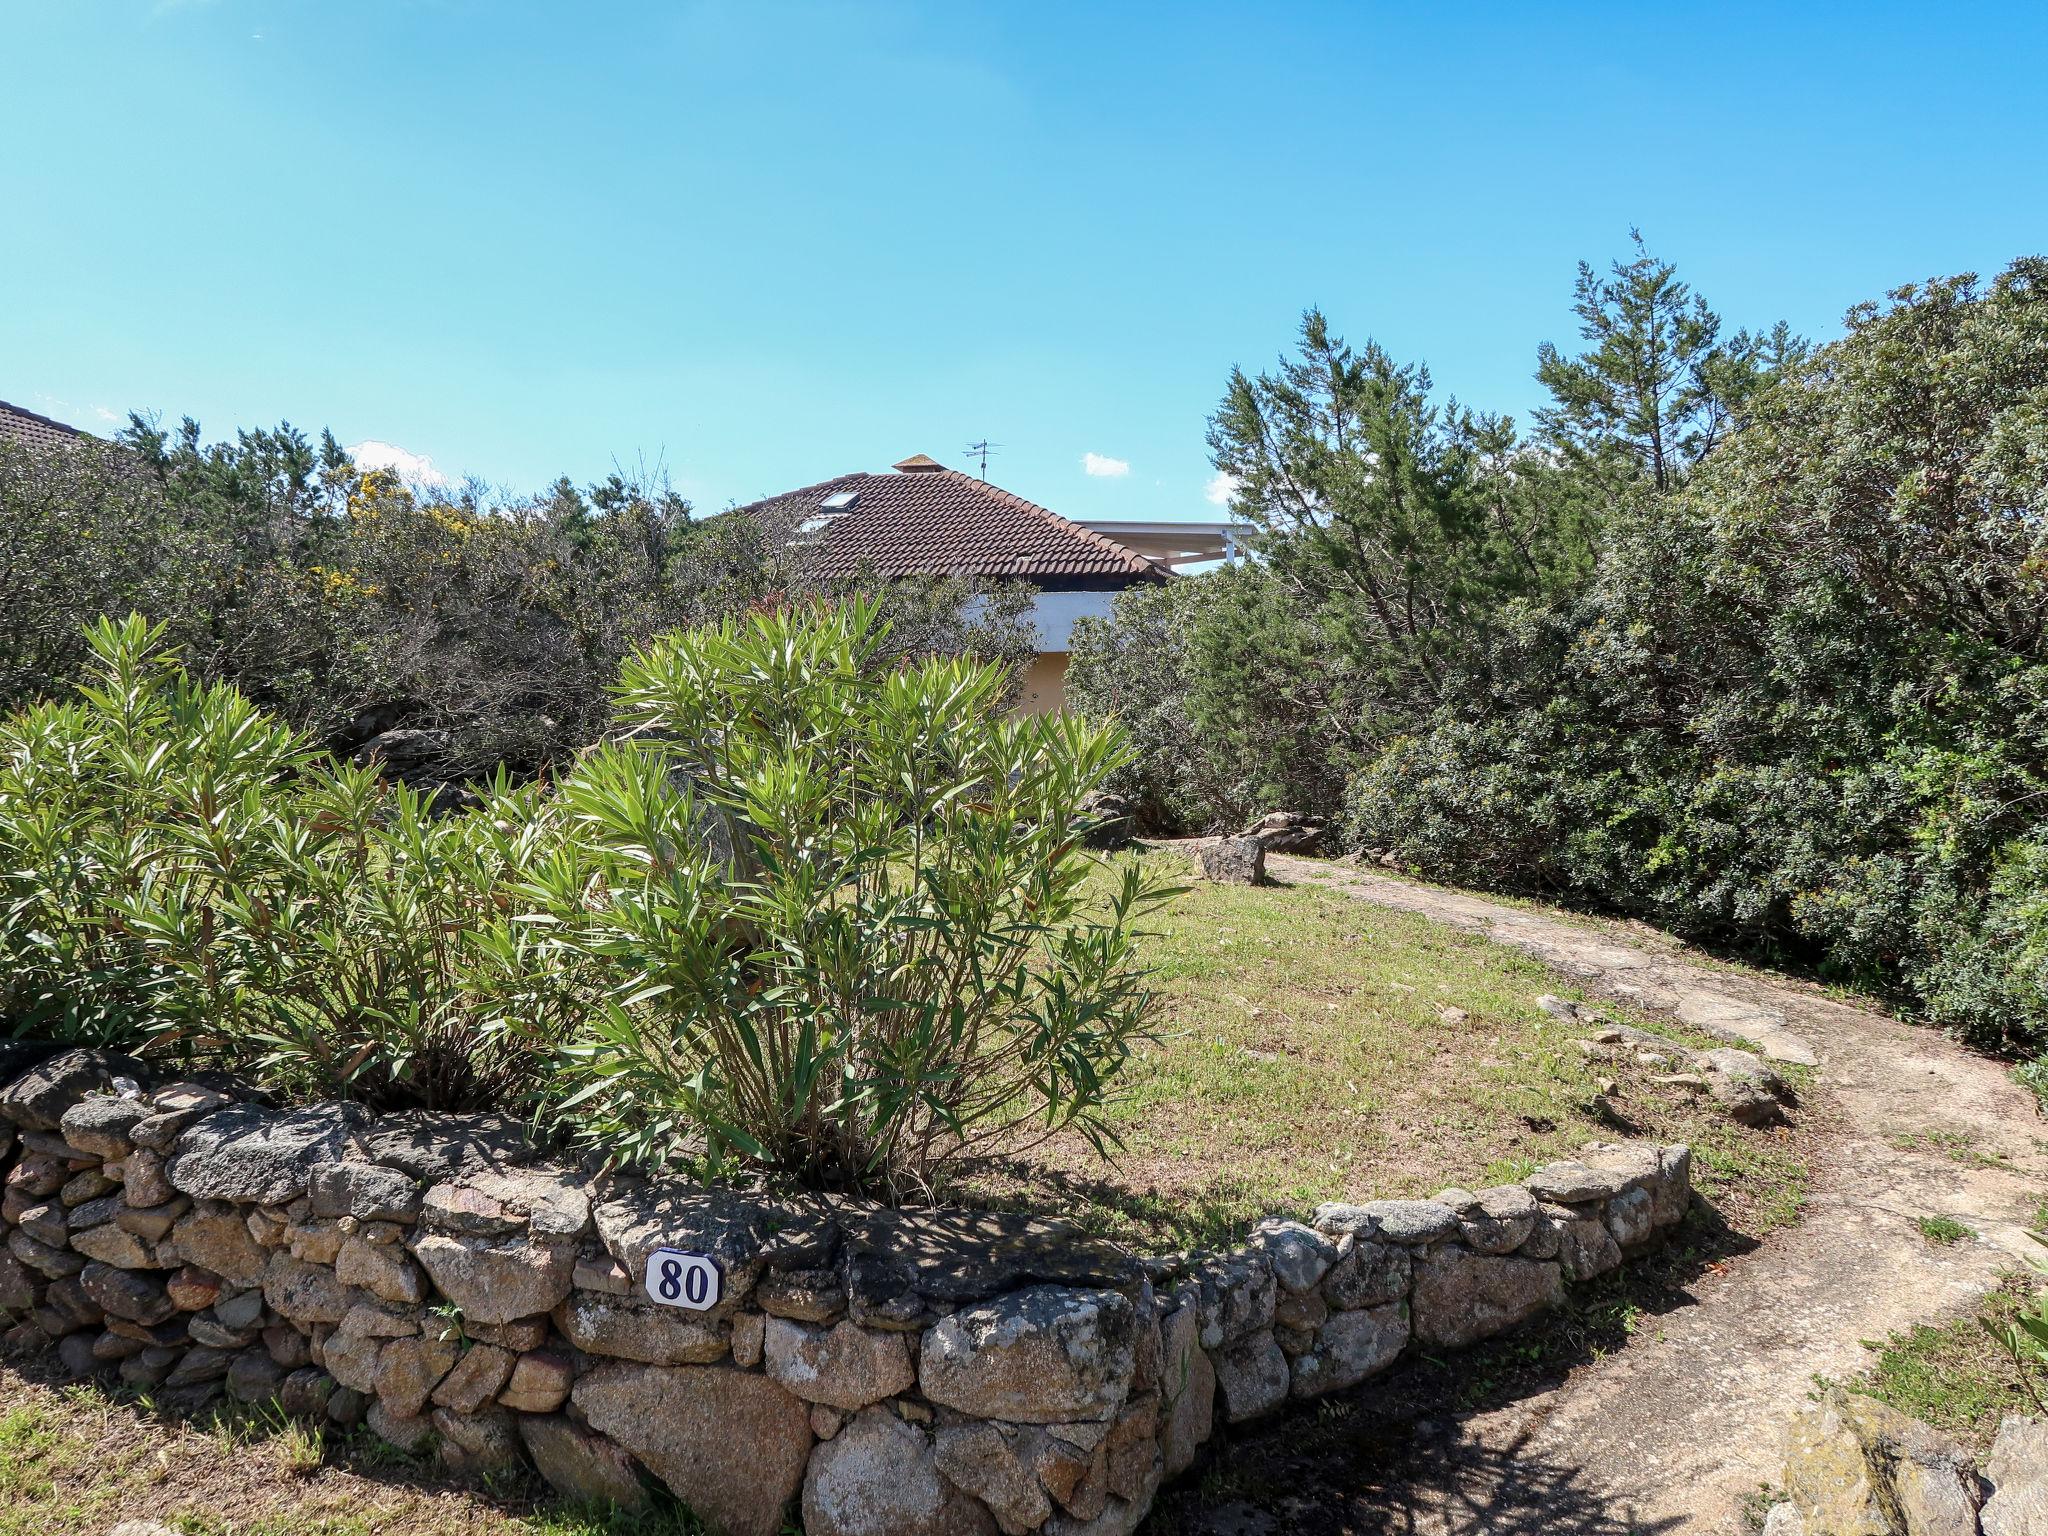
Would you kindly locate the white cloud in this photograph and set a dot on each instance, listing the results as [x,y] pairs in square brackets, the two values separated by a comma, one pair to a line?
[104,414]
[371,454]
[1103,465]
[1221,487]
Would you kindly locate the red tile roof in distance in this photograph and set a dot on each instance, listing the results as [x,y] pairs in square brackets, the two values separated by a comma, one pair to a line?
[36,431]
[928,520]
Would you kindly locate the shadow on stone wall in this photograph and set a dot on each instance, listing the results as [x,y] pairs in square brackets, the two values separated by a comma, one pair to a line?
[1396,1455]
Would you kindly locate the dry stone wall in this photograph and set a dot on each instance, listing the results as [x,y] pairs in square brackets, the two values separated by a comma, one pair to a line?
[907,1373]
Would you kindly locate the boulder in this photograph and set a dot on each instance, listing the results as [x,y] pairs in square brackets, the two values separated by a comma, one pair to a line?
[353,1358]
[1233,860]
[749,1340]
[1286,832]
[46,1223]
[17,1286]
[434,1147]
[304,1293]
[153,1222]
[1575,1183]
[1409,1222]
[1046,1354]
[540,1381]
[730,1444]
[1253,1376]
[1187,1389]
[382,1269]
[625,1329]
[1741,1082]
[408,1370]
[1671,1195]
[1237,1294]
[1368,1275]
[254,1377]
[253,1155]
[88,1187]
[215,1236]
[509,1202]
[1631,1217]
[956,1256]
[2018,1473]
[304,1393]
[1109,820]
[147,1180]
[879,1477]
[844,1366]
[1350,1347]
[123,1293]
[99,1125]
[37,1177]
[497,1279]
[37,1099]
[476,1445]
[76,1356]
[582,1467]
[475,1379]
[805,1295]
[365,1191]
[1499,1220]
[409,1433]
[994,1463]
[43,1258]
[193,1289]
[207,1328]
[1827,1476]
[1583,1245]
[635,1219]
[317,1242]
[1461,1296]
[1857,1467]
[1299,1255]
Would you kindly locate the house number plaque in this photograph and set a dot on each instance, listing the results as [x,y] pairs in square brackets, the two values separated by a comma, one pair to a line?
[679,1278]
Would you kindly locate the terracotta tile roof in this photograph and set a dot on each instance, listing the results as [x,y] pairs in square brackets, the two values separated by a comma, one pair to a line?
[927,520]
[36,431]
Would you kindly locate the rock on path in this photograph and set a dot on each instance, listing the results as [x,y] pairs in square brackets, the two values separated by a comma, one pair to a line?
[1674,1432]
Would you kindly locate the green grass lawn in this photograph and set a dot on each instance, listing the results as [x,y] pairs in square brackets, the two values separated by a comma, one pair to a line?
[76,1461]
[1315,1047]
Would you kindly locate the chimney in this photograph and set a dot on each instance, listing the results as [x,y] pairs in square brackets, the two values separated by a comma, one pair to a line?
[918,464]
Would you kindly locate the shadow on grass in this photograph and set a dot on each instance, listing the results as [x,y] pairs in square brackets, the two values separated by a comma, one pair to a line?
[1395,1455]
[1153,1221]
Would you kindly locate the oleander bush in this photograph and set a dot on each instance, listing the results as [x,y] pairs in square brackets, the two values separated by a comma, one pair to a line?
[842,912]
[812,908]
[187,877]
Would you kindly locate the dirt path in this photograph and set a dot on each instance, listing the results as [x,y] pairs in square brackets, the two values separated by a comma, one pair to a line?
[1675,1431]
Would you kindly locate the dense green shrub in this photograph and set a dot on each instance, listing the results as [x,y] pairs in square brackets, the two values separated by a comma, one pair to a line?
[813,908]
[1751,641]
[349,603]
[1392,532]
[841,909]
[185,876]
[1232,696]
[1804,705]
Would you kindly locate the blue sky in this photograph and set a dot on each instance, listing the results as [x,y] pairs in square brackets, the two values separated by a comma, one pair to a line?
[759,244]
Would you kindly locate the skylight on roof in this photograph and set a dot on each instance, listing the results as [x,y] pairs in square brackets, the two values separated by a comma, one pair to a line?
[840,501]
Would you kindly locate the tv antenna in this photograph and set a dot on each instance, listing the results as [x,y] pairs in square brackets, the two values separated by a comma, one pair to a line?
[982,450]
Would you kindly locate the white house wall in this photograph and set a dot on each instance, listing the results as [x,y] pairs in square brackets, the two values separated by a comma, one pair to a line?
[1053,615]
